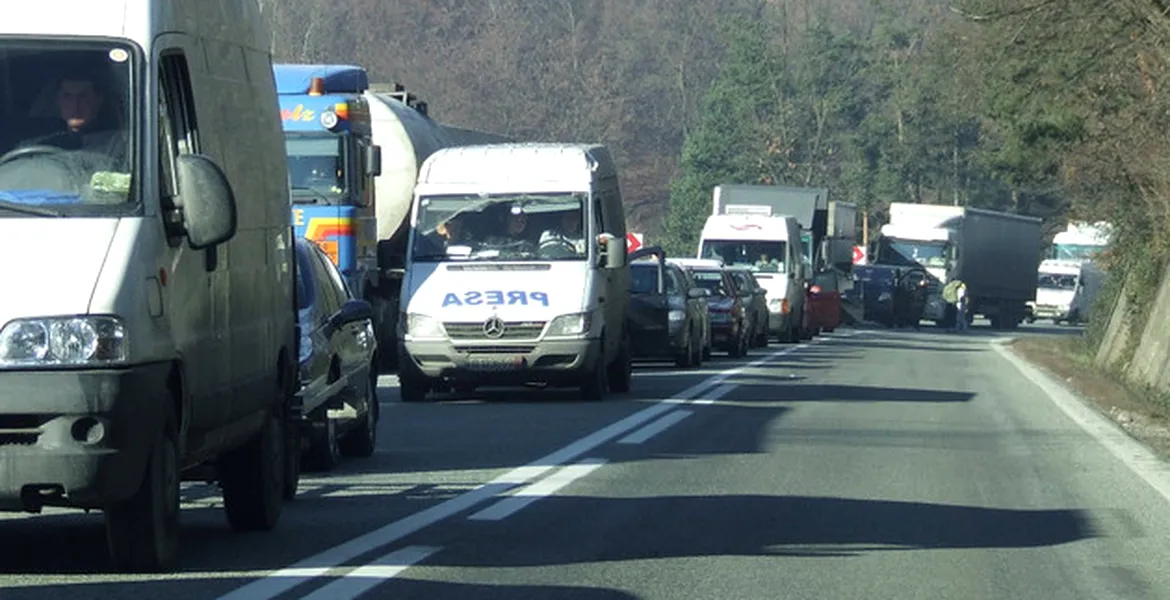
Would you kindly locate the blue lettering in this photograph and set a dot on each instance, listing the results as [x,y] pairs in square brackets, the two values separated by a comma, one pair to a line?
[495,298]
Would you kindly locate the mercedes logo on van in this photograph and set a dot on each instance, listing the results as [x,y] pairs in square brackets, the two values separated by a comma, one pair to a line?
[493,328]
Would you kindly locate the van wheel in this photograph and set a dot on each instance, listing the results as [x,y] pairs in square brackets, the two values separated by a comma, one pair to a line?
[596,384]
[142,532]
[362,442]
[252,477]
[324,447]
[621,371]
[413,389]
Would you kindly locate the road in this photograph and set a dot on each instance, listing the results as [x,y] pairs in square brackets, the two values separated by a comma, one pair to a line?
[869,464]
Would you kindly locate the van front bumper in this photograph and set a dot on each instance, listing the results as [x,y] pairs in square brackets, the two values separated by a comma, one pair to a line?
[77,437]
[555,362]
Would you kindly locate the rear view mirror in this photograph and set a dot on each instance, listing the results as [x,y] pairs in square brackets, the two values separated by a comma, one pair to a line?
[374,160]
[352,311]
[209,206]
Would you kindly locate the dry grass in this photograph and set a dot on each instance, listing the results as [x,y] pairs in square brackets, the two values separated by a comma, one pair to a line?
[1142,415]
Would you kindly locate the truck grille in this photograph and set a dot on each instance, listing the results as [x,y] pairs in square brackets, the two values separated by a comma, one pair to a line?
[512,330]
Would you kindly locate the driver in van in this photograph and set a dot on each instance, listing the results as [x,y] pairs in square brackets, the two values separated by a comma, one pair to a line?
[79,99]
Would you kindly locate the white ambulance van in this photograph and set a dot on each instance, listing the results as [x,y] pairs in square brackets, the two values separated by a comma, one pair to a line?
[516,272]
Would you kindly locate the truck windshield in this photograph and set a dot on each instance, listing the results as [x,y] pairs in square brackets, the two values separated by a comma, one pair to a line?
[316,168]
[1075,251]
[927,254]
[765,256]
[1056,281]
[65,128]
[501,227]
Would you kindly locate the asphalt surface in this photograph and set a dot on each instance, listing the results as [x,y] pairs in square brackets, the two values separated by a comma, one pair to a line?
[869,464]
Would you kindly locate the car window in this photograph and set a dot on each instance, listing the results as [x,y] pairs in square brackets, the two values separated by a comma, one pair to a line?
[712,280]
[324,284]
[644,279]
[671,282]
[304,290]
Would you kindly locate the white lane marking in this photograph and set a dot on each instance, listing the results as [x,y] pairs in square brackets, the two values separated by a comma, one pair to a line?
[1144,463]
[655,428]
[541,489]
[717,393]
[367,577]
[283,580]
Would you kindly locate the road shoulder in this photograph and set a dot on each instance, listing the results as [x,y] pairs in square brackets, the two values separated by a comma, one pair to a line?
[1065,360]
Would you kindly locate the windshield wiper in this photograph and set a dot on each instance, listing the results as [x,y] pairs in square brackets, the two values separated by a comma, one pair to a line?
[317,198]
[28,209]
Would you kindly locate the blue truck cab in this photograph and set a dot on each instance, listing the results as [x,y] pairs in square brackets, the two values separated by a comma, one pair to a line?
[332,164]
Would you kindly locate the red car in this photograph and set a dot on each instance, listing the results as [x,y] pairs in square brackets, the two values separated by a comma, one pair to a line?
[822,306]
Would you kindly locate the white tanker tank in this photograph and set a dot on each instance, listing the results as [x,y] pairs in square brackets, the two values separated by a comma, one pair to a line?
[407,136]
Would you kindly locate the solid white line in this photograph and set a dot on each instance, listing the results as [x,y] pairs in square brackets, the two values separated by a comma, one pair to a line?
[367,577]
[1144,463]
[541,489]
[283,580]
[717,393]
[655,428]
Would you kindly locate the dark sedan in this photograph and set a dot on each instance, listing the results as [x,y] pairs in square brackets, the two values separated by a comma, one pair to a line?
[339,403]
[668,313]
[729,326]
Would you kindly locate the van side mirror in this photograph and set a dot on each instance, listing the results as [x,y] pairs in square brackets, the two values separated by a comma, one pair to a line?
[374,161]
[209,206]
[613,251]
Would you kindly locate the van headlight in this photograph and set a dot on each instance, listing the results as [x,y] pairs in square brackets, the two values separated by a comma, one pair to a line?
[63,341]
[423,326]
[574,324]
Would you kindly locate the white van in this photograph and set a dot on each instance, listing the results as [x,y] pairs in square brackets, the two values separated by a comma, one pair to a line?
[516,271]
[770,246]
[147,324]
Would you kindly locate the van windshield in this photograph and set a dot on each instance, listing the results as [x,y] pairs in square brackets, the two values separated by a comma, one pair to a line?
[65,124]
[501,227]
[765,256]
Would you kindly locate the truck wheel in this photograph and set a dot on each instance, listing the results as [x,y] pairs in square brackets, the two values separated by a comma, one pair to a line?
[252,477]
[362,442]
[142,532]
[621,371]
[324,447]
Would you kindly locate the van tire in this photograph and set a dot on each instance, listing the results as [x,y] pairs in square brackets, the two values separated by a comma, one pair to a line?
[412,389]
[252,477]
[596,382]
[621,371]
[142,532]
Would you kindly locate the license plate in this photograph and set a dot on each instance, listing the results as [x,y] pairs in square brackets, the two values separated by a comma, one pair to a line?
[496,363]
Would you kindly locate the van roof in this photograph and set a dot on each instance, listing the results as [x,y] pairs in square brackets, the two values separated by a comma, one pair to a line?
[238,22]
[557,165]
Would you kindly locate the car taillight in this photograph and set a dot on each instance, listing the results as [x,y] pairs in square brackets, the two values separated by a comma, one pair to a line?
[816,289]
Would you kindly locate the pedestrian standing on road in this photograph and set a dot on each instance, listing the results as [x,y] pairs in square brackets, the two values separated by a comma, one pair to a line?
[961,302]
